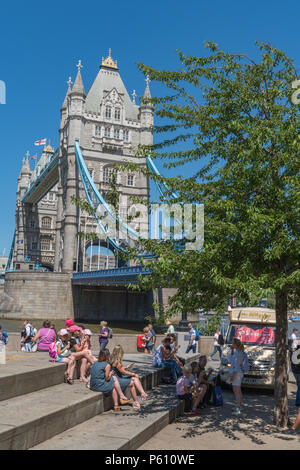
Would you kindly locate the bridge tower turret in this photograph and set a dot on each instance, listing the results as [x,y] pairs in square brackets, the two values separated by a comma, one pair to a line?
[69,180]
[146,116]
[23,182]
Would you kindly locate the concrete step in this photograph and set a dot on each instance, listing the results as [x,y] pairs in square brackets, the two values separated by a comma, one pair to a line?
[124,430]
[32,412]
[28,373]
[33,418]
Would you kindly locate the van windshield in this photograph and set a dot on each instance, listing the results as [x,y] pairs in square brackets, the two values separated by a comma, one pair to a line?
[252,334]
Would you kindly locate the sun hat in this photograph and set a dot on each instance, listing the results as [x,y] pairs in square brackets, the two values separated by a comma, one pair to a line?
[74,328]
[87,332]
[63,332]
[69,322]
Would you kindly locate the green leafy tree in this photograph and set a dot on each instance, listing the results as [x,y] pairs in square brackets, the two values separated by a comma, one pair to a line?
[237,125]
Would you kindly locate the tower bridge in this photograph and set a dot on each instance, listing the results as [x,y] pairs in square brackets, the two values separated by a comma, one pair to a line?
[98,129]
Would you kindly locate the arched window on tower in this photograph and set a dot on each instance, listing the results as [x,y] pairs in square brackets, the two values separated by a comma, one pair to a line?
[46,222]
[108,112]
[117,114]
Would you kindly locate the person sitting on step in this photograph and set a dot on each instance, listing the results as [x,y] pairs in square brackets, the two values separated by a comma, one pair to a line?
[163,357]
[186,389]
[62,347]
[80,353]
[103,379]
[125,377]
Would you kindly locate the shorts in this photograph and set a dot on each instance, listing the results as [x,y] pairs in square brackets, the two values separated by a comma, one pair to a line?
[186,396]
[238,379]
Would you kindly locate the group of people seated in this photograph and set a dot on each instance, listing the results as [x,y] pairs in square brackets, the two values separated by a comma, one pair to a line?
[193,383]
[195,386]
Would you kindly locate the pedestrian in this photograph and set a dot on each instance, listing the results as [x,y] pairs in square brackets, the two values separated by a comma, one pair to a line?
[163,357]
[295,367]
[217,346]
[148,341]
[127,378]
[192,339]
[103,380]
[45,336]
[236,373]
[153,334]
[170,329]
[103,335]
[294,339]
[28,332]
[186,390]
[3,337]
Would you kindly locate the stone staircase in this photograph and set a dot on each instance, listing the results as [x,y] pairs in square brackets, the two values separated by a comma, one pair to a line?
[38,411]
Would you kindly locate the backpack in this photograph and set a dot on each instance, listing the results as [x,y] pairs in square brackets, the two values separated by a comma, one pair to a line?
[245,364]
[3,337]
[53,351]
[33,331]
[221,341]
[217,398]
[197,336]
[110,333]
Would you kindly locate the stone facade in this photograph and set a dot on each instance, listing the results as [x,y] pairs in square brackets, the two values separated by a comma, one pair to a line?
[37,295]
[108,125]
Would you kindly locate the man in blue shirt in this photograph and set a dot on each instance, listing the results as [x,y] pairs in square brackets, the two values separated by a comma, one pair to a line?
[192,342]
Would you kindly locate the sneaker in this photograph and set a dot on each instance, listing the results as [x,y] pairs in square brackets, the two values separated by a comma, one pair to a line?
[236,412]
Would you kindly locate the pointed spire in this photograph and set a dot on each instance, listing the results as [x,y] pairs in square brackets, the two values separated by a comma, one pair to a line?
[147,93]
[25,166]
[65,103]
[133,96]
[78,85]
[146,101]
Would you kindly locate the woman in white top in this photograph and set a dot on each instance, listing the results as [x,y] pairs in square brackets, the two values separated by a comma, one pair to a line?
[170,329]
[236,373]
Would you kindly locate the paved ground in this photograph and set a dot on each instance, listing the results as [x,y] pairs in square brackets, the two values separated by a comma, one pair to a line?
[216,429]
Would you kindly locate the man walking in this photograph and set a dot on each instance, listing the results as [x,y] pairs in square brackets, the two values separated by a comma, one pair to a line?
[192,341]
[217,346]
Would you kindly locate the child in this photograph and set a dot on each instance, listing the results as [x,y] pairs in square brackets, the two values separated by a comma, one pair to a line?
[185,389]
[148,341]
[200,387]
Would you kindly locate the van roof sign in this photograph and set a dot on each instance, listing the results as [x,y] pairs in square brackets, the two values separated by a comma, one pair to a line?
[252,315]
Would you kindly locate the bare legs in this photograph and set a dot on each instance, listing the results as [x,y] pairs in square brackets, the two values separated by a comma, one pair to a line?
[139,387]
[238,395]
[297,422]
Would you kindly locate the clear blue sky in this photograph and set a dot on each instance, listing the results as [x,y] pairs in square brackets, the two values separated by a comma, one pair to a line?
[41,43]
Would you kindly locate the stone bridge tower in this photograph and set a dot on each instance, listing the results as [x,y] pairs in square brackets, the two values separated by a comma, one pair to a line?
[108,125]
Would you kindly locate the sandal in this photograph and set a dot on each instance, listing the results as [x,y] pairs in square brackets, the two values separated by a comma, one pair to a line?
[144,397]
[83,379]
[136,405]
[117,408]
[70,381]
[125,402]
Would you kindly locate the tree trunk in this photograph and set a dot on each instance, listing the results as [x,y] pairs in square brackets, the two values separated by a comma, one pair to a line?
[281,416]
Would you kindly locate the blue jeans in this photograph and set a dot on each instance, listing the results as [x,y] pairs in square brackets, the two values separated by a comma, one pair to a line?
[297,377]
[103,346]
[216,349]
[193,347]
[170,364]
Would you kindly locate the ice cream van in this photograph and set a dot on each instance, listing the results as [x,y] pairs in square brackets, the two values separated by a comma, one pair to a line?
[255,327]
